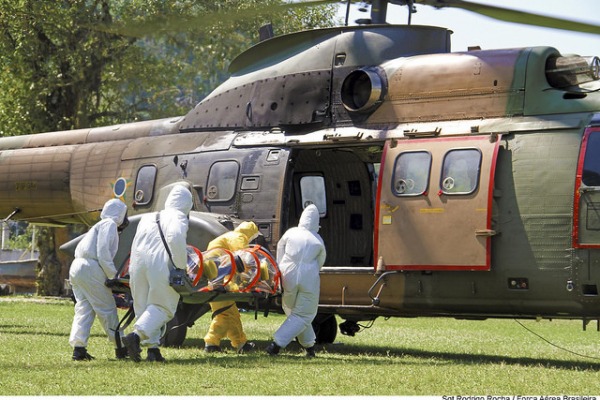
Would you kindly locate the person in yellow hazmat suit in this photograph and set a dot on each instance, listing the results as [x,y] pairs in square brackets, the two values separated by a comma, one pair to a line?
[226,321]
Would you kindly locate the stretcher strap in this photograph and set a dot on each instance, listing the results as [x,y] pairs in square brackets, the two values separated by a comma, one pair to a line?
[221,310]
[123,324]
[162,236]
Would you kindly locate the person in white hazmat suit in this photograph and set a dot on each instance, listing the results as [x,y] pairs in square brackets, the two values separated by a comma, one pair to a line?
[300,255]
[92,267]
[154,300]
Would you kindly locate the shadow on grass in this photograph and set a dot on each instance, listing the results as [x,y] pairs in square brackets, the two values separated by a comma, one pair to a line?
[28,330]
[369,355]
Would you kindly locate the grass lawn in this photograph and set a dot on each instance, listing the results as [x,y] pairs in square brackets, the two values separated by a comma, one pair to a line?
[421,356]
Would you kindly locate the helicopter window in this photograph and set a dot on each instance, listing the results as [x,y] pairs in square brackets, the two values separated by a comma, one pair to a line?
[460,171]
[312,190]
[144,185]
[222,180]
[591,164]
[411,173]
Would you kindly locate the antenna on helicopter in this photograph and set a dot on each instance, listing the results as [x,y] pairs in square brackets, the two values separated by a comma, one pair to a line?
[266,31]
[411,9]
[348,2]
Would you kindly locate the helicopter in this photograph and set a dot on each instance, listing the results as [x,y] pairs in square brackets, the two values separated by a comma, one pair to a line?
[449,184]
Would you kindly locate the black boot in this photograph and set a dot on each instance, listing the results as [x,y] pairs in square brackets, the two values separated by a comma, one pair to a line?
[154,355]
[247,348]
[132,344]
[81,354]
[212,349]
[310,352]
[273,349]
[121,353]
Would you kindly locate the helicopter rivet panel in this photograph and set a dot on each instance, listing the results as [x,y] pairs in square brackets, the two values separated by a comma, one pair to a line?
[294,99]
[287,81]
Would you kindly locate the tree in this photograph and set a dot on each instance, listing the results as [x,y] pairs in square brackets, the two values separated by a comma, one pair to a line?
[68,64]
[54,67]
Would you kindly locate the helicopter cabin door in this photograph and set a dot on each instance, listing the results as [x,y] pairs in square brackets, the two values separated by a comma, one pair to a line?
[586,232]
[434,204]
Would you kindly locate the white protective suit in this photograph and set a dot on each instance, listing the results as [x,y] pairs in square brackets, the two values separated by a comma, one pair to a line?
[93,264]
[300,255]
[154,300]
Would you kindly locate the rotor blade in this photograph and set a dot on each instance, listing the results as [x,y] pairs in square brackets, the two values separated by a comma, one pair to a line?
[181,23]
[520,17]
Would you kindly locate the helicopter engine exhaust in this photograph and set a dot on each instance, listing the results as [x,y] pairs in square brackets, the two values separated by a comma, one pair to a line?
[566,71]
[363,90]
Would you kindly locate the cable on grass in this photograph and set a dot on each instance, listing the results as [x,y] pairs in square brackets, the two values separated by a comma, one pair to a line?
[555,345]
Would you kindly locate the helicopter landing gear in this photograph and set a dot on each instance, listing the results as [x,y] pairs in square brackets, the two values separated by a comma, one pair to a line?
[349,328]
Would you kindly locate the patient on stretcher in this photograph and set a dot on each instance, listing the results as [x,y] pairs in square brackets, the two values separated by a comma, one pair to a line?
[252,269]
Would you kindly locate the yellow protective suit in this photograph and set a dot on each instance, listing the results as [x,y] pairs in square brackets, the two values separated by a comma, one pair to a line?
[228,323]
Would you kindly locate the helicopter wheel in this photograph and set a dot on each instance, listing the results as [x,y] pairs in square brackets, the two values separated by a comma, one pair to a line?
[325,327]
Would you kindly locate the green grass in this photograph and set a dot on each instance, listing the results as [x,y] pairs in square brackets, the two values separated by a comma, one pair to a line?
[421,356]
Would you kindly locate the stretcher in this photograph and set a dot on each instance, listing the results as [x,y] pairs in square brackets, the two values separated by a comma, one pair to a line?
[220,274]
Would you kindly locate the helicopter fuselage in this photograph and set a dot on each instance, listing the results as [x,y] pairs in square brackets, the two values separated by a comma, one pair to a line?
[449,184]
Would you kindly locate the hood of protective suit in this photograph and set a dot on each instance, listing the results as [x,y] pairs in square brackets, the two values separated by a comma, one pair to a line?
[310,218]
[180,198]
[248,229]
[114,209]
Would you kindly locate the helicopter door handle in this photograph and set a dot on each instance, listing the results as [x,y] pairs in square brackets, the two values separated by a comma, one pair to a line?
[485,232]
